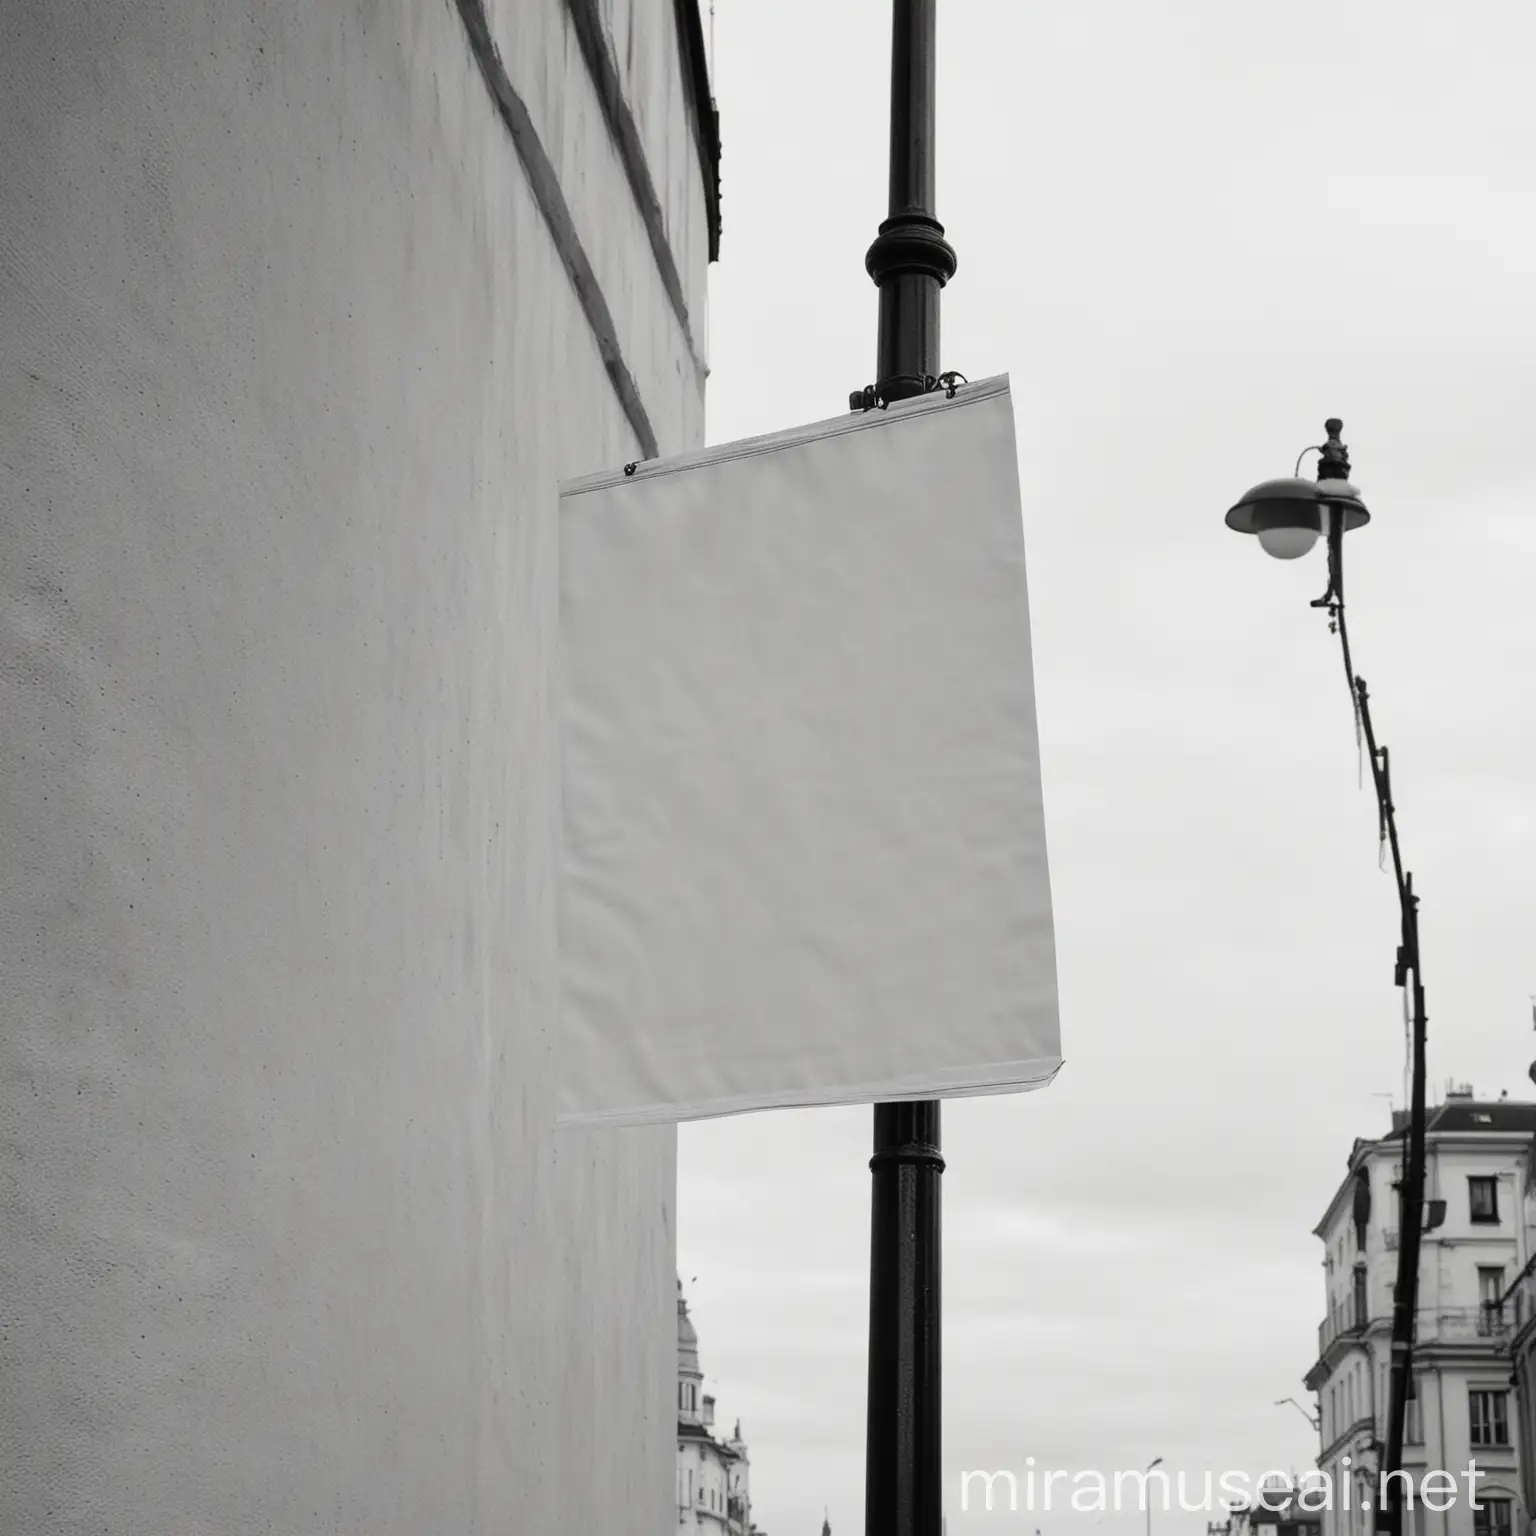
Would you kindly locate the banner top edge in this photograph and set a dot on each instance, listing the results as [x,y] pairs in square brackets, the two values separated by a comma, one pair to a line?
[789,437]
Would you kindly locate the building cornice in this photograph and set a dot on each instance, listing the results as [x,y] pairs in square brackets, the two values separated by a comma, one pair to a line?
[1362,1430]
[1339,1349]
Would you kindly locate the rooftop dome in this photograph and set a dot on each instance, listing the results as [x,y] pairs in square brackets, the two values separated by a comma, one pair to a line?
[687,1337]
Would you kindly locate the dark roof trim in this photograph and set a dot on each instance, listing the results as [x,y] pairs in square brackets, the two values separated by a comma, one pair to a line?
[688,1431]
[603,69]
[701,107]
[545,185]
[1478,1116]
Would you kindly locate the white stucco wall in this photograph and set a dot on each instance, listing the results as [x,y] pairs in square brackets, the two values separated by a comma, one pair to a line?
[289,371]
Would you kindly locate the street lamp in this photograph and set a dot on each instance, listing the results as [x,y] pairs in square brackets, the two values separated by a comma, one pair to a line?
[1288,517]
[1156,1461]
[1311,1419]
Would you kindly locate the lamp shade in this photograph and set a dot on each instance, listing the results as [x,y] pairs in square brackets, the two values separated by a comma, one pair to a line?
[1296,503]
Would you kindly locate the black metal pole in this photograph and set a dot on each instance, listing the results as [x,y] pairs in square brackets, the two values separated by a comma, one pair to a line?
[1405,1304]
[1391,1495]
[910,262]
[903,1469]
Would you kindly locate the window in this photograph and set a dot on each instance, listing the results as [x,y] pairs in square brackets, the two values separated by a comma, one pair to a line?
[1413,1420]
[1492,1518]
[1362,1308]
[1490,1291]
[1483,1198]
[1490,1417]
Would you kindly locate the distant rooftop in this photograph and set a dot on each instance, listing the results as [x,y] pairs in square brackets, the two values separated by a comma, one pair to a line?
[1461,1113]
[1464,1113]
[1288,1512]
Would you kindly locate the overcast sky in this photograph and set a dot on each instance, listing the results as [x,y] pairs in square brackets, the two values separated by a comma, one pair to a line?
[1190,230]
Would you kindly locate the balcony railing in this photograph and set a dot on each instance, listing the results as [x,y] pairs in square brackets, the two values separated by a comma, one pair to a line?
[1436,1325]
[1462,1325]
[1520,1303]
[1349,1320]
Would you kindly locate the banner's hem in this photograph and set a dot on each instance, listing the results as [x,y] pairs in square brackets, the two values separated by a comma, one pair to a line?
[1021,1077]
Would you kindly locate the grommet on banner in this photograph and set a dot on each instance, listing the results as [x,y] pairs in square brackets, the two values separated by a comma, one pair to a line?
[629,469]
[950,386]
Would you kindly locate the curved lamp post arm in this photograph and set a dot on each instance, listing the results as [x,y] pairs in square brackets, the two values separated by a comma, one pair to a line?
[1311,1419]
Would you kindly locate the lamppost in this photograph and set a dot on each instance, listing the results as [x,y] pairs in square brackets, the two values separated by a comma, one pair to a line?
[1156,1461]
[1311,1419]
[1288,517]
[910,261]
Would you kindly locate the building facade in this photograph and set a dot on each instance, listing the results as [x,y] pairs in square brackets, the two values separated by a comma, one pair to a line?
[307,311]
[1519,1315]
[1464,1411]
[714,1475]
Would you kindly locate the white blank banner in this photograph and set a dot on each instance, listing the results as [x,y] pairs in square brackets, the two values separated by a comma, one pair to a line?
[803,852]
